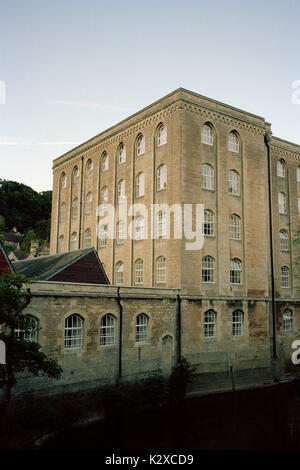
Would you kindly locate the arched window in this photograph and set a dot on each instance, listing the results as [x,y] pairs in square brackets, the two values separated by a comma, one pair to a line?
[161,177]
[161,269]
[87,238]
[119,273]
[140,184]
[233,182]
[89,169]
[105,162]
[103,235]
[298,174]
[233,142]
[63,181]
[208,269]
[281,168]
[234,227]
[29,329]
[285,281]
[122,153]
[107,330]
[288,320]
[237,323]
[139,228]
[284,240]
[235,271]
[139,271]
[299,206]
[141,328]
[74,209]
[121,191]
[121,233]
[209,324]
[89,203]
[73,243]
[161,135]
[207,135]
[207,175]
[73,332]
[208,223]
[161,224]
[140,146]
[75,175]
[104,194]
[282,203]
[61,244]
[62,213]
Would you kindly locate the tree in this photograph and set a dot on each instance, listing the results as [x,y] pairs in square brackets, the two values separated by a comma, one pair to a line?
[26,242]
[21,354]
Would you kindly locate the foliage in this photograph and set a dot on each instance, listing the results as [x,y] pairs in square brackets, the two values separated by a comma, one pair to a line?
[26,242]
[20,354]
[42,229]
[2,223]
[23,207]
[180,378]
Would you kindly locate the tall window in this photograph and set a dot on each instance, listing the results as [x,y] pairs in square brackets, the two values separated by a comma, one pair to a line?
[281,168]
[61,244]
[122,153]
[284,240]
[235,271]
[103,235]
[121,191]
[140,146]
[288,320]
[237,323]
[139,271]
[73,332]
[62,213]
[208,269]
[75,175]
[298,205]
[161,269]
[120,232]
[234,227]
[233,142]
[208,223]
[74,209]
[89,202]
[107,330]
[140,184]
[28,331]
[285,277]
[161,224]
[162,135]
[141,328]
[161,177]
[73,241]
[104,194]
[105,162]
[298,174]
[63,181]
[282,203]
[139,228]
[233,183]
[119,273]
[207,176]
[89,169]
[207,135]
[87,238]
[209,324]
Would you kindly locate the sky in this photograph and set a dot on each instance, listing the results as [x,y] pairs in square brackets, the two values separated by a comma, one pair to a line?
[70,69]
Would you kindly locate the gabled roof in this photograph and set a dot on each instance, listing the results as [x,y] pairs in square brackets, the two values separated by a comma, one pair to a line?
[5,263]
[73,266]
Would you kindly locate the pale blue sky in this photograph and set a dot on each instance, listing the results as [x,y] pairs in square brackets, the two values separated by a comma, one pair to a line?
[73,68]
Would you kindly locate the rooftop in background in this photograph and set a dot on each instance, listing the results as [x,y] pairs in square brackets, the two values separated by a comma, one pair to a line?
[82,266]
[5,264]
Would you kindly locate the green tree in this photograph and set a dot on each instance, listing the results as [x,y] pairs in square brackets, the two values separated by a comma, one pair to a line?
[26,242]
[2,223]
[20,354]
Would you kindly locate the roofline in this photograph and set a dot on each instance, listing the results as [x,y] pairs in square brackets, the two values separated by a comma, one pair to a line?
[7,259]
[101,265]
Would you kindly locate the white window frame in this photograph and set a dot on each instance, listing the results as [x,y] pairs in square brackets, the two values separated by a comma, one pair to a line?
[107,330]
[235,271]
[285,277]
[119,273]
[210,324]
[208,270]
[105,162]
[281,169]
[208,226]
[162,177]
[237,323]
[63,183]
[139,271]
[207,135]
[139,228]
[142,328]
[121,191]
[298,174]
[120,232]
[75,175]
[140,184]
[140,146]
[288,320]
[73,332]
[281,203]
[162,135]
[74,208]
[161,270]
[284,240]
[234,227]
[234,183]
[87,238]
[207,177]
[122,154]
[233,143]
[103,235]
[29,333]
[89,169]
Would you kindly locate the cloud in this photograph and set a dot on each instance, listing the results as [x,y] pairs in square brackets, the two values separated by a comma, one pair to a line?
[11,142]
[86,104]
